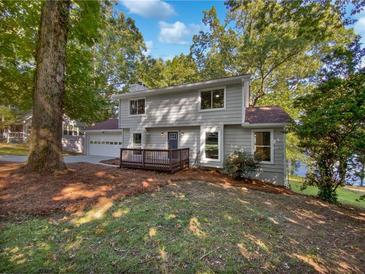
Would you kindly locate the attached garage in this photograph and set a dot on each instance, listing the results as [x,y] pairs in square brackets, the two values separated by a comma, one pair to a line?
[104,139]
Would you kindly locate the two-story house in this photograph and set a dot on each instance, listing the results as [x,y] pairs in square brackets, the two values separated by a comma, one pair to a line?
[212,118]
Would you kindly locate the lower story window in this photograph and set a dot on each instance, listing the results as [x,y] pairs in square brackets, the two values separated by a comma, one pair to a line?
[137,143]
[262,146]
[211,145]
[137,140]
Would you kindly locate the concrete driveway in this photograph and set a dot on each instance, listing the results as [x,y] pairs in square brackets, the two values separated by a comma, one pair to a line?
[68,159]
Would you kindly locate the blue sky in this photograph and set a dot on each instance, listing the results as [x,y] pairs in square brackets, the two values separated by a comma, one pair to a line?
[168,26]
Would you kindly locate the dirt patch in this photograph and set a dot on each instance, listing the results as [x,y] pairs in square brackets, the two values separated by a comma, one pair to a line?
[214,176]
[84,185]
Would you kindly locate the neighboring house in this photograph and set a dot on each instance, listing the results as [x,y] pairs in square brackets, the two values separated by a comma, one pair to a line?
[72,133]
[212,118]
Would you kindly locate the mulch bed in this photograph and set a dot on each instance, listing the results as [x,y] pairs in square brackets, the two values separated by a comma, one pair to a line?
[83,185]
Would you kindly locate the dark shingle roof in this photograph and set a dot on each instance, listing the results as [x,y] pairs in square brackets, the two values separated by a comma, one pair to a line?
[266,115]
[107,124]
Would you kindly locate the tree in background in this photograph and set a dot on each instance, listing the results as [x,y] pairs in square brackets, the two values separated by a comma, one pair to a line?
[156,73]
[103,65]
[281,43]
[332,130]
[103,51]
[19,22]
[46,147]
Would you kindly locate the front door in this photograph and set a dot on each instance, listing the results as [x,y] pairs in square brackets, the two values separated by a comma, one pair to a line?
[172,139]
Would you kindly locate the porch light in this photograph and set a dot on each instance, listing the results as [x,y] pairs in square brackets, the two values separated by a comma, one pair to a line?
[162,133]
[181,133]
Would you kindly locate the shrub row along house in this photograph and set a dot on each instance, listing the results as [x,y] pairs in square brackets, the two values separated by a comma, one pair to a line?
[211,118]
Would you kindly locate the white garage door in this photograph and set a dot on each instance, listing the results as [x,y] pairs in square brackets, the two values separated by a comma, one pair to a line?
[105,144]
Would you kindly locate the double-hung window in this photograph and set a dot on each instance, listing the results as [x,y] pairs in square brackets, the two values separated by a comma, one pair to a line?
[137,143]
[137,140]
[212,145]
[212,99]
[137,107]
[263,146]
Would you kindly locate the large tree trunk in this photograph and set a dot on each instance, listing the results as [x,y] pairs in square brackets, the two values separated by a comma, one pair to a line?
[46,136]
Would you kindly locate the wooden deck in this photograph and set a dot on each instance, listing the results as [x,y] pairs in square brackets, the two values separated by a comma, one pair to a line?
[170,160]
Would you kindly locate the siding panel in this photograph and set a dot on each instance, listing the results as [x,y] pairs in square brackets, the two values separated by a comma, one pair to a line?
[238,138]
[182,108]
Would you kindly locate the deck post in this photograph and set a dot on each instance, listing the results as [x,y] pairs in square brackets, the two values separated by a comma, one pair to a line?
[188,157]
[170,160]
[143,158]
[180,159]
[121,158]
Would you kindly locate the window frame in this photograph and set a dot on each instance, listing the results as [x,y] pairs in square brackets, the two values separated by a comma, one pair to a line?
[253,144]
[211,90]
[206,130]
[136,99]
[133,143]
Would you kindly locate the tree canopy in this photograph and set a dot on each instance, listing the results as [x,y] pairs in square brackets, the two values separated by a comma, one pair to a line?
[103,50]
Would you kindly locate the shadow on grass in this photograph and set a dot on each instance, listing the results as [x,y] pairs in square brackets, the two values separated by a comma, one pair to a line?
[184,227]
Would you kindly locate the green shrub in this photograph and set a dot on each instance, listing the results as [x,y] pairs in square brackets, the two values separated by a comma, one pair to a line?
[240,164]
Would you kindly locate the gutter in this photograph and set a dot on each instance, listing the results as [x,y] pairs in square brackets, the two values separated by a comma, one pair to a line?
[103,130]
[228,80]
[263,125]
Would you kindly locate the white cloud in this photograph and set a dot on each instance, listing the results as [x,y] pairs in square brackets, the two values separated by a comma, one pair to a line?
[149,46]
[149,8]
[177,33]
[360,25]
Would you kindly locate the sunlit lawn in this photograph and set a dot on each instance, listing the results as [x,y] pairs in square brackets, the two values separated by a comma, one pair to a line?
[13,149]
[190,228]
[345,196]
[21,149]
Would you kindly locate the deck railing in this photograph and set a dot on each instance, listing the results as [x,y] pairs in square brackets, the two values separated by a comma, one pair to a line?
[170,160]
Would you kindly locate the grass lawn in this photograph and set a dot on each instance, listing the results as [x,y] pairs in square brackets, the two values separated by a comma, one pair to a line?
[13,149]
[21,149]
[345,196]
[190,227]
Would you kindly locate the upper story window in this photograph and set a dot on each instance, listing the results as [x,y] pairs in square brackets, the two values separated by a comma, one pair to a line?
[212,99]
[263,146]
[137,106]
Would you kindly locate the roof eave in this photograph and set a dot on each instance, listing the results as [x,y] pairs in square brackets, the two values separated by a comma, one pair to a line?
[101,130]
[199,85]
[263,125]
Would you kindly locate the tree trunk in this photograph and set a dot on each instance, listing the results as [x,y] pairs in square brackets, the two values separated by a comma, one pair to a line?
[46,136]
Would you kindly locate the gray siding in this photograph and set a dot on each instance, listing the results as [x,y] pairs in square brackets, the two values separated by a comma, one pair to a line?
[188,138]
[238,138]
[182,108]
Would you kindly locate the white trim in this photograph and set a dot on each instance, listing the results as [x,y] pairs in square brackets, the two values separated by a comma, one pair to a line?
[246,87]
[203,131]
[167,137]
[136,99]
[132,139]
[120,114]
[103,130]
[212,109]
[199,85]
[286,179]
[263,125]
[271,162]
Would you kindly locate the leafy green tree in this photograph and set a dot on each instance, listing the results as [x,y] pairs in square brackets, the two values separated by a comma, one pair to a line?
[281,43]
[46,147]
[19,22]
[332,130]
[103,50]
[156,73]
